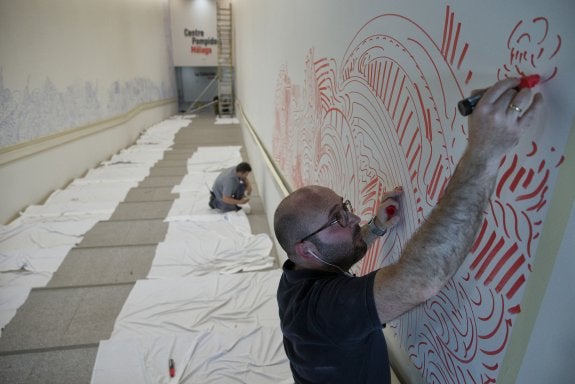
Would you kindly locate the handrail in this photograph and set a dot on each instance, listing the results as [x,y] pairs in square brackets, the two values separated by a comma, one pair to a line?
[275,171]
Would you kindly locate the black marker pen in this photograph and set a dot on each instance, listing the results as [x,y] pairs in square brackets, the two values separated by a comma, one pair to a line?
[466,106]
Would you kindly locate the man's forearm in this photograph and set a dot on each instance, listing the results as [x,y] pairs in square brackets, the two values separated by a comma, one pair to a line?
[231,200]
[440,245]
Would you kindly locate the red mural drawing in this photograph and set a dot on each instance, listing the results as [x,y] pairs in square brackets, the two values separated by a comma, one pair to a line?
[385,116]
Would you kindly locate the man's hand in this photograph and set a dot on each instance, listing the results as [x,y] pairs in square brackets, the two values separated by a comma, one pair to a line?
[500,118]
[387,216]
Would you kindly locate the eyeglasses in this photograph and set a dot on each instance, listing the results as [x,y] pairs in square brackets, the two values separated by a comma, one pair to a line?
[341,218]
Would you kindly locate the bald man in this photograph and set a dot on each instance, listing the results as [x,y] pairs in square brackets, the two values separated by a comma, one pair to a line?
[332,321]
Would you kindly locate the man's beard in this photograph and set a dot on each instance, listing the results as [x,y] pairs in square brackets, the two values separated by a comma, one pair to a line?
[345,255]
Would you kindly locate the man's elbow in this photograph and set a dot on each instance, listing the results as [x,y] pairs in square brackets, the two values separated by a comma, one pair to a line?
[431,288]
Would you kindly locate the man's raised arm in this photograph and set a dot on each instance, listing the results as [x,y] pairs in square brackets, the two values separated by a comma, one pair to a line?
[439,246]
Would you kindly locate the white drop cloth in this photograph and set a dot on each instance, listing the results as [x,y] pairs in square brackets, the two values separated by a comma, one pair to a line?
[42,234]
[98,210]
[139,154]
[192,206]
[250,355]
[156,307]
[206,252]
[31,250]
[123,172]
[210,159]
[33,259]
[34,245]
[227,224]
[111,191]
[219,326]
[216,328]
[196,182]
[162,133]
[226,120]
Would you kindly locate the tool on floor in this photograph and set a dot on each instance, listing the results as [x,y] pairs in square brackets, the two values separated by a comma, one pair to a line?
[172,368]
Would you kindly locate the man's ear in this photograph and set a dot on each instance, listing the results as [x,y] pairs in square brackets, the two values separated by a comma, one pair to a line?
[305,250]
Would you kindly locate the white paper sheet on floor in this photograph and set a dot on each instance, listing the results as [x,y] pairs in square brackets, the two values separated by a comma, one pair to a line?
[249,355]
[204,252]
[218,326]
[33,246]
[191,204]
[226,120]
[176,305]
[199,182]
[211,159]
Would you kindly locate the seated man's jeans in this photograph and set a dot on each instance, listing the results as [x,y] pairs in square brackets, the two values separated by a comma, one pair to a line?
[239,194]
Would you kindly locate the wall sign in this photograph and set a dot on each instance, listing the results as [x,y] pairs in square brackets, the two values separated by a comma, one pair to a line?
[200,44]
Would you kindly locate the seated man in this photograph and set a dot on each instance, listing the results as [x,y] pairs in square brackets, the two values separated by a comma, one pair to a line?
[332,321]
[231,188]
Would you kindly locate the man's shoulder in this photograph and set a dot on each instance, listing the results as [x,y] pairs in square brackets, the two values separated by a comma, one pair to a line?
[230,173]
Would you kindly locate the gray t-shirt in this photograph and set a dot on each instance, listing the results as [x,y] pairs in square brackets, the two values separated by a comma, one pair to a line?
[226,184]
[332,333]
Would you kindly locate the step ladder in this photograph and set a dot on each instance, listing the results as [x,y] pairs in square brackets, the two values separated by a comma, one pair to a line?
[225,61]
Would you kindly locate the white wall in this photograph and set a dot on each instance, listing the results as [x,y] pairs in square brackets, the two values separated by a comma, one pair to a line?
[548,356]
[198,17]
[70,71]
[361,96]
[546,353]
[270,186]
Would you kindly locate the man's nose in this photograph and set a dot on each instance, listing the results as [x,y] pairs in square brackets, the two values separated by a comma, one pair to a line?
[354,219]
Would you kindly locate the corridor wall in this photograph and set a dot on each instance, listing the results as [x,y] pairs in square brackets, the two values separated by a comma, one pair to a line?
[361,96]
[78,82]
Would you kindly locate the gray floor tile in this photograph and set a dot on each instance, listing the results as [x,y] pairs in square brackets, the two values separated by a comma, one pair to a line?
[258,223]
[49,367]
[55,317]
[179,154]
[118,233]
[210,136]
[160,181]
[256,204]
[142,210]
[176,162]
[184,148]
[104,265]
[150,194]
[168,171]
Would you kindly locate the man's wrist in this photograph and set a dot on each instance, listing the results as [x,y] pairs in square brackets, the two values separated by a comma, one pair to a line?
[374,228]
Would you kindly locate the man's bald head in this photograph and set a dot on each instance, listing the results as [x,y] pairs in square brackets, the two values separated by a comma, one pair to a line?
[297,215]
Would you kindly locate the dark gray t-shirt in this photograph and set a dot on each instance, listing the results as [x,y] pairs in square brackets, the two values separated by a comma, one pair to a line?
[332,333]
[226,184]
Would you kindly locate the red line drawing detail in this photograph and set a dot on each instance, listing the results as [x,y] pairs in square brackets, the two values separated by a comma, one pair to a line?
[382,116]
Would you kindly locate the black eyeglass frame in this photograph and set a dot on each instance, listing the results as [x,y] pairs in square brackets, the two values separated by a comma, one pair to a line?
[347,209]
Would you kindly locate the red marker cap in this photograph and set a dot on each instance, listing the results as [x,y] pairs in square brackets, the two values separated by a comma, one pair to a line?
[172,368]
[390,210]
[529,81]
